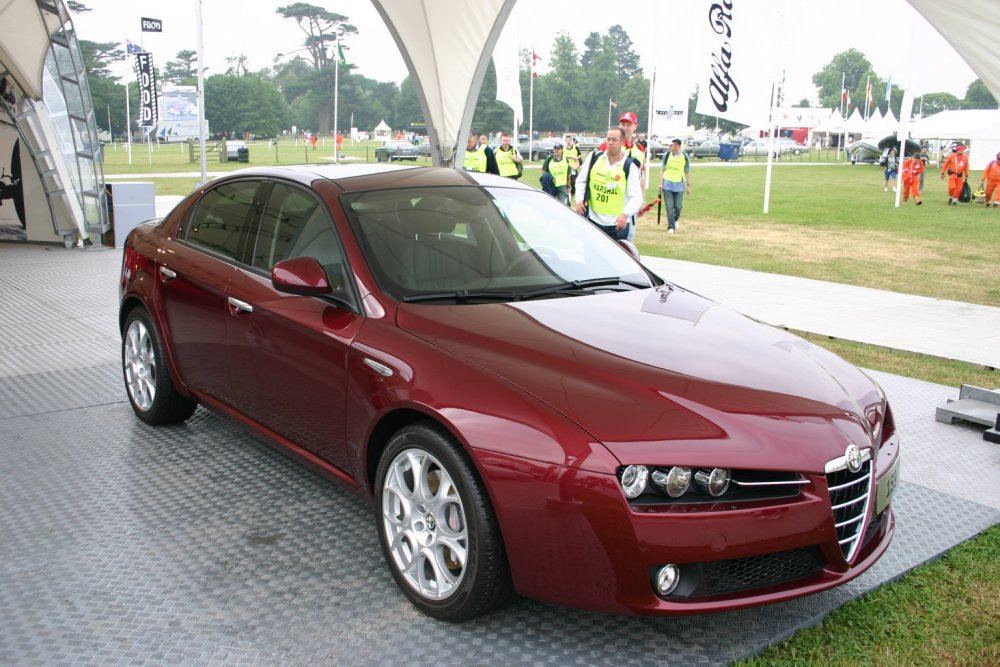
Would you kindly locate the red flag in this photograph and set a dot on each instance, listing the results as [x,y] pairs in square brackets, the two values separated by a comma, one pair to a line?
[843,94]
[534,64]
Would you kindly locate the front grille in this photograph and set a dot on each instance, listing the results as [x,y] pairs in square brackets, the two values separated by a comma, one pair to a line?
[740,574]
[850,497]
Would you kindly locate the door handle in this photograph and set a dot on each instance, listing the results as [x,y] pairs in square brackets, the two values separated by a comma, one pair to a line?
[236,306]
[167,274]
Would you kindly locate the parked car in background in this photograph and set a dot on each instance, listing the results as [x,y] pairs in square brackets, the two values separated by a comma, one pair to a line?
[396,150]
[759,148]
[540,148]
[704,149]
[791,147]
[457,348]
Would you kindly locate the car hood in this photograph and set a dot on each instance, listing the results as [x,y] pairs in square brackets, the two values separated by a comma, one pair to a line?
[643,369]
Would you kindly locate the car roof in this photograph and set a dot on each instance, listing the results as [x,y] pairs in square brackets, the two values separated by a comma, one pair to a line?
[378,176]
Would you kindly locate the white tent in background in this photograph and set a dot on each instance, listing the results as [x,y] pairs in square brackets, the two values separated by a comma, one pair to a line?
[980,127]
[875,125]
[856,123]
[382,131]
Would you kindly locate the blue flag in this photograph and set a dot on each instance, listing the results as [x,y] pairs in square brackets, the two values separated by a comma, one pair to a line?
[132,48]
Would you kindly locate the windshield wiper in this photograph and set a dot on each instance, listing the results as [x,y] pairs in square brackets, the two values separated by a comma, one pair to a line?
[460,296]
[577,285]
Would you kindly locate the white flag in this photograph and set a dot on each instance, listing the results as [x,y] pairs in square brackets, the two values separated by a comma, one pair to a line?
[737,68]
[506,61]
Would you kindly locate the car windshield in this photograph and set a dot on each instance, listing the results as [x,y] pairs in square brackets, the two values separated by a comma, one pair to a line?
[473,245]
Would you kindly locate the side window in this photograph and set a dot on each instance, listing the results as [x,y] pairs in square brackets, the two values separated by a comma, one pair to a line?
[295,224]
[221,219]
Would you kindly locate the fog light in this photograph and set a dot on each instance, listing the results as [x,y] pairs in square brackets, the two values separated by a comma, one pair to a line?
[667,579]
[676,482]
[714,483]
[634,481]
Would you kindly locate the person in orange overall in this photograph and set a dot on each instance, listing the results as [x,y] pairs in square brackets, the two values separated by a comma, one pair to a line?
[957,169]
[913,167]
[991,177]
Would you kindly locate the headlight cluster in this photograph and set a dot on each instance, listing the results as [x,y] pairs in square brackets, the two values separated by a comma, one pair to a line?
[675,481]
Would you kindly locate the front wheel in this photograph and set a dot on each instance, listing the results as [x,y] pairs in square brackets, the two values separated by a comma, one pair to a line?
[151,390]
[438,531]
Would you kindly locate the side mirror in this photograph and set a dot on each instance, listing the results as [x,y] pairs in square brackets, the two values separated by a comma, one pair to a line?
[630,247]
[300,275]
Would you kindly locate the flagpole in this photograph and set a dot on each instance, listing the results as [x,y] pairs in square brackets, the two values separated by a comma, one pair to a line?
[610,100]
[868,96]
[128,124]
[774,103]
[843,96]
[531,103]
[336,95]
[201,93]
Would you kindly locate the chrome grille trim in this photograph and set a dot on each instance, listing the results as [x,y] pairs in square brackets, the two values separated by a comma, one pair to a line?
[850,501]
[784,483]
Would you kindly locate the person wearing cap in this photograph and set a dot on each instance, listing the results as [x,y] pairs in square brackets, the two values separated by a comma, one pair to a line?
[479,158]
[610,187]
[572,154]
[557,165]
[913,167]
[991,177]
[957,169]
[675,181]
[634,149]
[508,158]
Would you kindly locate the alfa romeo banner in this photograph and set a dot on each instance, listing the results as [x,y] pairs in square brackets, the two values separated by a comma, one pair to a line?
[146,77]
[738,63]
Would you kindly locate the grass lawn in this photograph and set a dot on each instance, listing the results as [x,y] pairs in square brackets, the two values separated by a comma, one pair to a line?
[829,222]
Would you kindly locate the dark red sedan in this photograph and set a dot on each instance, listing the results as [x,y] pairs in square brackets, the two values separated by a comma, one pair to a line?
[530,409]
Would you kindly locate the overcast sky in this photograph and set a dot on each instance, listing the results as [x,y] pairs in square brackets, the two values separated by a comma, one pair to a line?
[815,32]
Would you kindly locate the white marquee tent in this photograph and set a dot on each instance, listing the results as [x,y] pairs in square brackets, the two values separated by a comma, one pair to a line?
[980,127]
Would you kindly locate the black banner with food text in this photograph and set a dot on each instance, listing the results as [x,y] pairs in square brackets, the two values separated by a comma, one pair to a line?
[146,77]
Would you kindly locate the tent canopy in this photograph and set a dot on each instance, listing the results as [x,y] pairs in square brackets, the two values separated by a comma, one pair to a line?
[970,26]
[958,124]
[25,42]
[446,47]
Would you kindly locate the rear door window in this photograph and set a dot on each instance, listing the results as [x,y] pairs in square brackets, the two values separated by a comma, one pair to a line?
[222,218]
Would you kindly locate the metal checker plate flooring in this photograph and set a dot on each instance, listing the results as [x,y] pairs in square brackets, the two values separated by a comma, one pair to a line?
[201,544]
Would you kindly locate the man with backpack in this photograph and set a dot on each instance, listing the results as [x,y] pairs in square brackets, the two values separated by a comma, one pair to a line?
[609,186]
[676,180]
[991,181]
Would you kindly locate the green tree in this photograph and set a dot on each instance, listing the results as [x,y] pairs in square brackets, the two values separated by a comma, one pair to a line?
[240,104]
[406,106]
[560,93]
[183,71]
[490,114]
[851,67]
[324,31]
[932,103]
[627,63]
[978,96]
[106,94]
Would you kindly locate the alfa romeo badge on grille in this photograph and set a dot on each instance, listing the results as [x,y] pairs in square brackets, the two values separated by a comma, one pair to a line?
[853,457]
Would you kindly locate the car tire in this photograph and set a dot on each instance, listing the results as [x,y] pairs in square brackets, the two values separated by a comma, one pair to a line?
[151,390]
[430,503]
[797,152]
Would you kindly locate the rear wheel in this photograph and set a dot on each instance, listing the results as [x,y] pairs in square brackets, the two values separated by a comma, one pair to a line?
[437,528]
[151,390]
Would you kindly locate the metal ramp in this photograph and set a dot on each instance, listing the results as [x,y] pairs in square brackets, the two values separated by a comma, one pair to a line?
[60,133]
[975,405]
